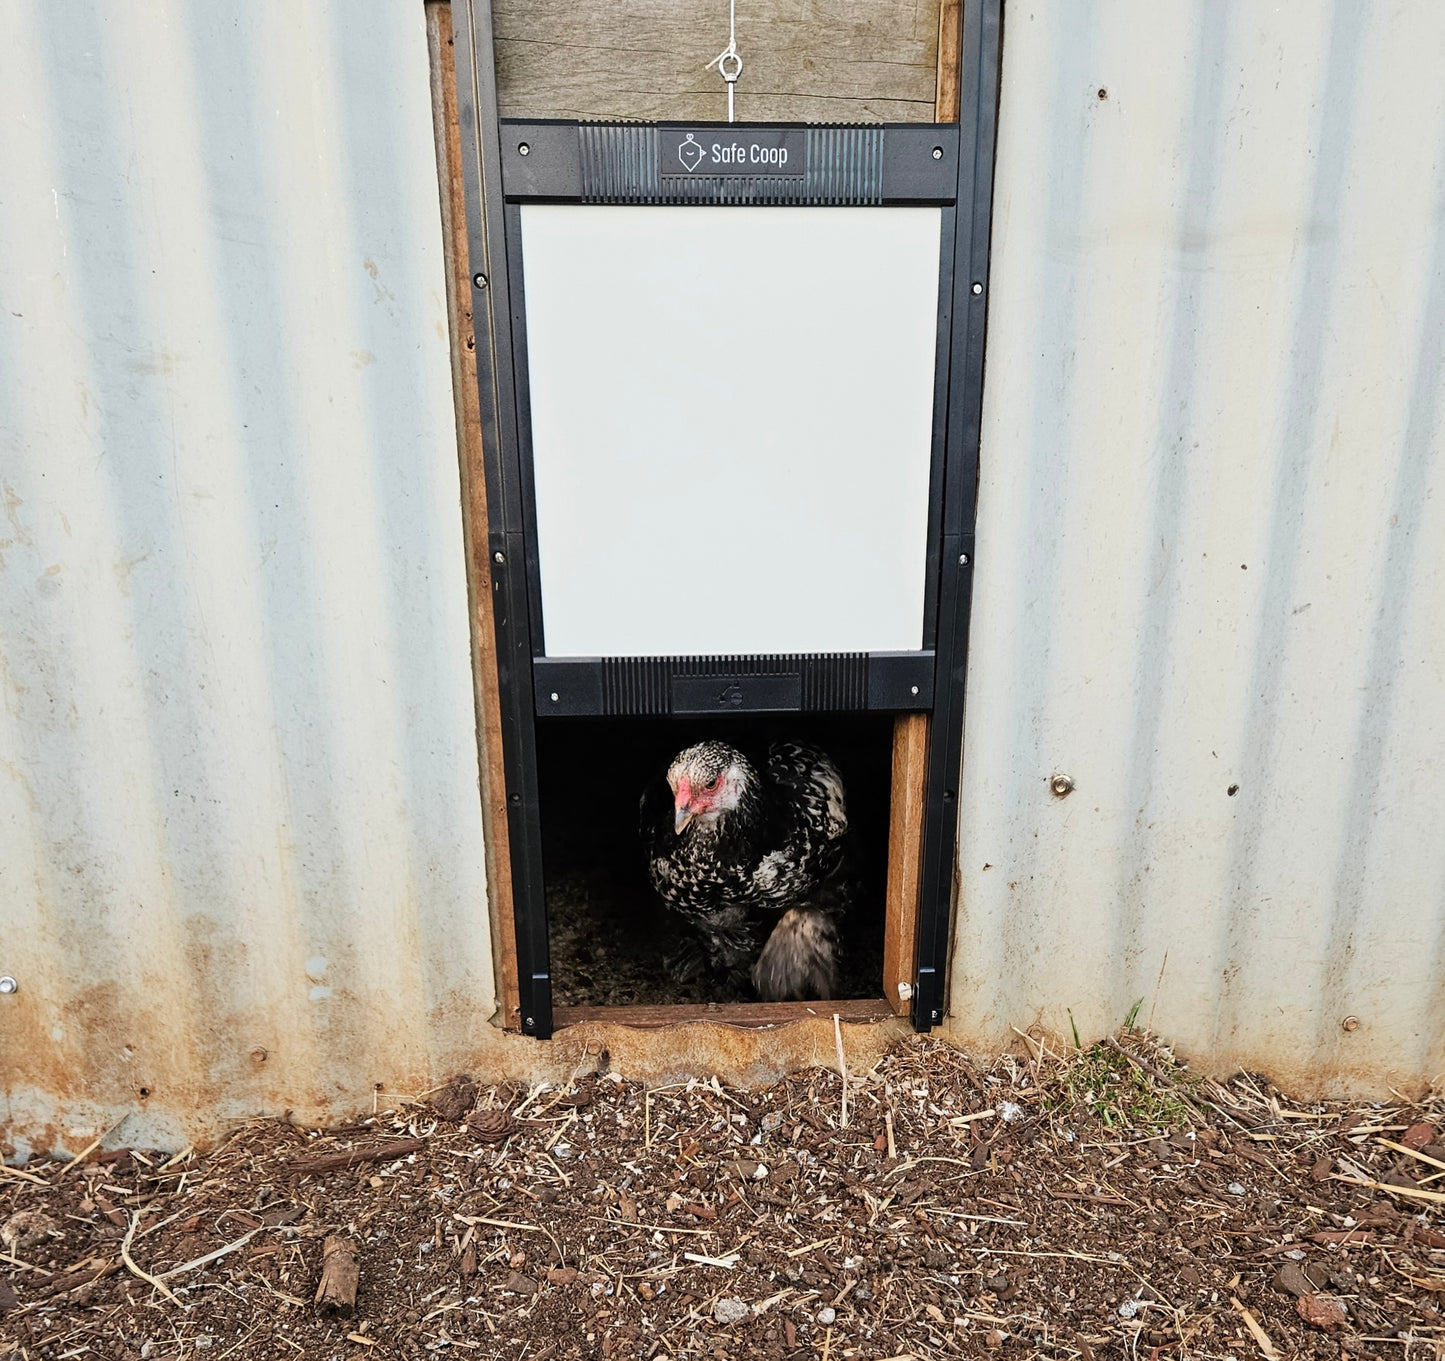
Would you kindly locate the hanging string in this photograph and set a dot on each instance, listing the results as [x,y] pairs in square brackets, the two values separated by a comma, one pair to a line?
[729,64]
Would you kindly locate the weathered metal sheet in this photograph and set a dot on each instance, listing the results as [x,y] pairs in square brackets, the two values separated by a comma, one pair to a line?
[242,857]
[1211,556]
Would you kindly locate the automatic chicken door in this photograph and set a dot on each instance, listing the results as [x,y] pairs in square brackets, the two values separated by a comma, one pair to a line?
[731,383]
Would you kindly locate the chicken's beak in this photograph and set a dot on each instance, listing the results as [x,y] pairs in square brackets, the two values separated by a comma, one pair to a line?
[681,801]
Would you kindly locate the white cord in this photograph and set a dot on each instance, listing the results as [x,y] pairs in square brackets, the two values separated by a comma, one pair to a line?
[728,63]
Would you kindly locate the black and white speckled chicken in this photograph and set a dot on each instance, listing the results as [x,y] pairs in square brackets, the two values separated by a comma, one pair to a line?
[730,846]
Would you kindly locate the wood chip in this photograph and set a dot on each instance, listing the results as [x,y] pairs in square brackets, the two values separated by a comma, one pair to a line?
[336,1290]
[456,1099]
[353,1157]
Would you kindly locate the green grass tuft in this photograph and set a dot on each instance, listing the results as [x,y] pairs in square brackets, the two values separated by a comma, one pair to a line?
[1110,1088]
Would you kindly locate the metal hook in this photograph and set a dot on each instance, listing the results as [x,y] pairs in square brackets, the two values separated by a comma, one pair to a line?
[729,54]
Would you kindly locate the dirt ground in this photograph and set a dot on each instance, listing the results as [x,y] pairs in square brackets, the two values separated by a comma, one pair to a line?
[1103,1204]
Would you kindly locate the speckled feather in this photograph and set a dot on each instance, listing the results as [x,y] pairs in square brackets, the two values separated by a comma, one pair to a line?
[783,849]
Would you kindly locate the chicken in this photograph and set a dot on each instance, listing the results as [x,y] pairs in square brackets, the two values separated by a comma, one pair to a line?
[731,846]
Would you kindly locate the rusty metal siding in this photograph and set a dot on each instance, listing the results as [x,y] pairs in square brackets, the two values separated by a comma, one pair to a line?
[1211,557]
[243,856]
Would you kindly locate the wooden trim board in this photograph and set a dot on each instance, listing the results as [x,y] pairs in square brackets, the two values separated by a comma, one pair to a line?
[905,857]
[749,1015]
[474,509]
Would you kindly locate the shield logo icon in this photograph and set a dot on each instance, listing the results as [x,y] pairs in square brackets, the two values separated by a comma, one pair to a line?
[689,153]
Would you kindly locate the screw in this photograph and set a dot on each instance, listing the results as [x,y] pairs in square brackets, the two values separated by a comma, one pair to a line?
[479,280]
[1061,784]
[8,985]
[523,149]
[1349,1025]
[938,153]
[977,288]
[913,688]
[554,696]
[499,557]
[963,559]
[258,1055]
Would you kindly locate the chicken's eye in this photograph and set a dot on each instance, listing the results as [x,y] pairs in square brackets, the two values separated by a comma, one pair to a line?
[712,783]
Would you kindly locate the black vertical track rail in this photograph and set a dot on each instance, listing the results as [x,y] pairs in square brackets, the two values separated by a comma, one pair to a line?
[497,383]
[980,52]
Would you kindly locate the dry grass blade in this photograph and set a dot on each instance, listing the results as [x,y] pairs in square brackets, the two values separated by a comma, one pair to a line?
[21,1175]
[1433,1197]
[130,1264]
[209,1257]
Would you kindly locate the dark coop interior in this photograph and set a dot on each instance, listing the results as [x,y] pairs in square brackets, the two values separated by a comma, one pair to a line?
[610,935]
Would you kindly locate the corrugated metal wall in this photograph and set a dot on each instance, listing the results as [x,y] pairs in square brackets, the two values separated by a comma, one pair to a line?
[242,851]
[1211,555]
[243,857]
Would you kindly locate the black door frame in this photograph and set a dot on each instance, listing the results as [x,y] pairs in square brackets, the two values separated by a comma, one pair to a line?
[508,163]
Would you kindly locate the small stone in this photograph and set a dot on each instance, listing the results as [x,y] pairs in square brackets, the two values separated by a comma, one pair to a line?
[519,1284]
[730,1310]
[760,1171]
[1290,1280]
[1129,1308]
[826,1316]
[1236,1189]
[1319,1313]
[561,1275]
[1011,1112]
[993,1339]
[771,1121]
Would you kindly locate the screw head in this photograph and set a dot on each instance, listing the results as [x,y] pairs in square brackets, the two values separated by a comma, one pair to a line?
[1062,785]
[963,559]
[977,289]
[479,280]
[1350,1024]
[523,149]
[8,985]
[499,557]
[938,153]
[555,697]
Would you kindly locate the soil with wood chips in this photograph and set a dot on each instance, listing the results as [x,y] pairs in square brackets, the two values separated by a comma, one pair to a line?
[1105,1203]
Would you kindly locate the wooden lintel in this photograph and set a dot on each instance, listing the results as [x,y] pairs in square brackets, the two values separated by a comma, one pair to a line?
[950,38]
